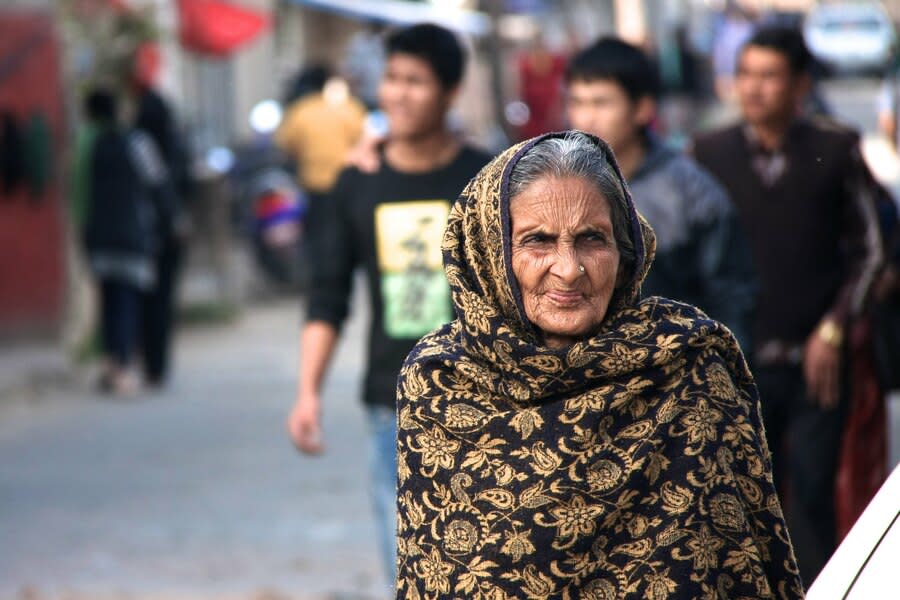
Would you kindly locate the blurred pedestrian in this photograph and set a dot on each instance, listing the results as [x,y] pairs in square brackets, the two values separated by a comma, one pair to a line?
[319,128]
[701,257]
[116,172]
[734,28]
[798,186]
[541,74]
[684,91]
[364,62]
[888,105]
[309,80]
[389,222]
[154,117]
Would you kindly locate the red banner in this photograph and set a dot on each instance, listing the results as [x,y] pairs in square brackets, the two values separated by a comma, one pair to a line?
[217,28]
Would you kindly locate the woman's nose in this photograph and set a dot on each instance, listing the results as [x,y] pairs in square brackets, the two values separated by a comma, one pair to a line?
[567,265]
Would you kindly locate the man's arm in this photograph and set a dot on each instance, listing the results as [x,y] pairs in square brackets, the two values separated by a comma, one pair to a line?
[331,260]
[862,244]
[862,248]
[317,342]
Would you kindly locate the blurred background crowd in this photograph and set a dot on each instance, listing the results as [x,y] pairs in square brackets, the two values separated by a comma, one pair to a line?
[237,115]
[225,75]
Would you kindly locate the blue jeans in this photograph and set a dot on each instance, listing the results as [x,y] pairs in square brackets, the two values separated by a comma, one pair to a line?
[383,473]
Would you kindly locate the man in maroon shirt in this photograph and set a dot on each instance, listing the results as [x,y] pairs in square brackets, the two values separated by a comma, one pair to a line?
[798,187]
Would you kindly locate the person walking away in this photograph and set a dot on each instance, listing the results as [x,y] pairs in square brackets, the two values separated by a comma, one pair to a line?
[154,117]
[797,185]
[734,28]
[390,223]
[701,257]
[120,168]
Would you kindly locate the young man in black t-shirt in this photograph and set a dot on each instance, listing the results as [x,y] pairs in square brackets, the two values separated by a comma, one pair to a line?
[389,222]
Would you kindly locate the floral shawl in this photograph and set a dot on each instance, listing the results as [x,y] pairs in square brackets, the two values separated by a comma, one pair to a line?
[632,464]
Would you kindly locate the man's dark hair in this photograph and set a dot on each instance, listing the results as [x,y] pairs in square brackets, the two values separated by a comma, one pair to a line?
[308,80]
[786,41]
[433,44]
[611,59]
[101,104]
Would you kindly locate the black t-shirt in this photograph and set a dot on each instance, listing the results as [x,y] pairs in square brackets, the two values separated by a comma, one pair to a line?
[391,224]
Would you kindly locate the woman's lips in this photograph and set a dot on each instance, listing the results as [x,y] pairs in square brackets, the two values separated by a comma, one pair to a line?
[564,298]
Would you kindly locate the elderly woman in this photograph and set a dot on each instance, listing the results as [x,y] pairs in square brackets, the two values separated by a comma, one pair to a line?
[562,438]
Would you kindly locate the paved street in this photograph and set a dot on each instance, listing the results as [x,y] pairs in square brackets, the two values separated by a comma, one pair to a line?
[194,492]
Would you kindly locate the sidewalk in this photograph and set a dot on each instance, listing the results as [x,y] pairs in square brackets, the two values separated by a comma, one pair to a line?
[194,492]
[30,369]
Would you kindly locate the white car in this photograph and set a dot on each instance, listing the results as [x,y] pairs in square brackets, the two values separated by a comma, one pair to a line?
[865,565]
[851,37]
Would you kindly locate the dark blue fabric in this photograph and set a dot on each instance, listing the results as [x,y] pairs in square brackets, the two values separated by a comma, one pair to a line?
[120,305]
[120,210]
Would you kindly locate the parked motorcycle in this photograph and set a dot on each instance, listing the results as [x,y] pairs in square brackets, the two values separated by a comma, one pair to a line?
[270,209]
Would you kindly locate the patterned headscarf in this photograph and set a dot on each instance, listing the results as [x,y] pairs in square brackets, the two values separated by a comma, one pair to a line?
[630,464]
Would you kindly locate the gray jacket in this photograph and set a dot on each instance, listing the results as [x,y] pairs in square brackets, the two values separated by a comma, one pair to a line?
[701,257]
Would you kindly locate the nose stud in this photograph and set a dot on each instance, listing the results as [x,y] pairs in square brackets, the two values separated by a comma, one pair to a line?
[581,268]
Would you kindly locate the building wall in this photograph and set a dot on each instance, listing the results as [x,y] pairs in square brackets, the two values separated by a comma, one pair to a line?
[32,271]
[255,78]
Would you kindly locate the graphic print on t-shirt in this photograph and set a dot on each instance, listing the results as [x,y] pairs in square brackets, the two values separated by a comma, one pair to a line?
[414,291]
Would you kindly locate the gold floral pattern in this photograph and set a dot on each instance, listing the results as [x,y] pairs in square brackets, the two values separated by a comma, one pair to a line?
[437,451]
[704,547]
[571,520]
[517,545]
[632,464]
[460,537]
[604,475]
[434,572]
[599,589]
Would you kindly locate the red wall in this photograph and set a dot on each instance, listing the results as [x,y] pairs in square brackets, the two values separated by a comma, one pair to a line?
[32,255]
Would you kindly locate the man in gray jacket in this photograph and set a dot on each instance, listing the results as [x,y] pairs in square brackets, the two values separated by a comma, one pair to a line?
[701,258]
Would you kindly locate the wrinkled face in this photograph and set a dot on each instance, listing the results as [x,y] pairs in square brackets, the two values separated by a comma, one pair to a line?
[766,88]
[412,96]
[559,224]
[603,108]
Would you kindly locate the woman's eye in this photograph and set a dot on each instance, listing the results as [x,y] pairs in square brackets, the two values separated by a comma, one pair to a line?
[535,238]
[595,236]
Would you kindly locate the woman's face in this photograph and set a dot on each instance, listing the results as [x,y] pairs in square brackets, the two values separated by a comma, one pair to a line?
[560,225]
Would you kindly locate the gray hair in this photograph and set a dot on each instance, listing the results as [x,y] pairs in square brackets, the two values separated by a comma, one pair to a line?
[577,155]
